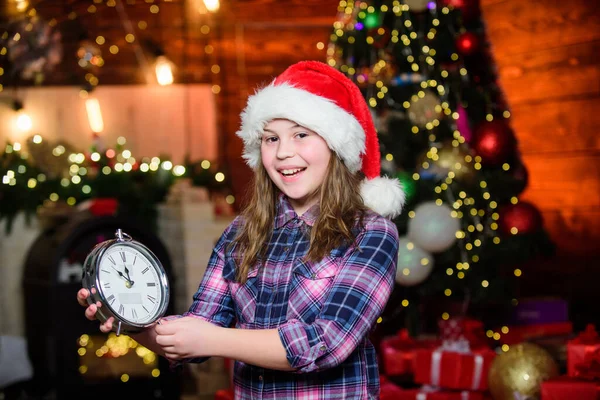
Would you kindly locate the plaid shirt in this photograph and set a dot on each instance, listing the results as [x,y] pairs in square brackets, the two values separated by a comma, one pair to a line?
[323,311]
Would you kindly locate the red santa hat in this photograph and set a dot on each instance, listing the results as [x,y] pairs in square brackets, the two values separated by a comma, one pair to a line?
[324,100]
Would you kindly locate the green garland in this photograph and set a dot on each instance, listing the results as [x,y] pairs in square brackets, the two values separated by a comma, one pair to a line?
[58,173]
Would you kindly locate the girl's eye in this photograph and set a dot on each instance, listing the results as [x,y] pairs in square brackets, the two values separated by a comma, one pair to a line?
[270,139]
[302,134]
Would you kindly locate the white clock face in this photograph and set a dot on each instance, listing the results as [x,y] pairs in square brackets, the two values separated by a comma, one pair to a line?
[131,284]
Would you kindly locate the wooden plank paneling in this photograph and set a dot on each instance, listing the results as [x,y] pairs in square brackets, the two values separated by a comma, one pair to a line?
[570,181]
[571,228]
[557,125]
[540,75]
[546,53]
[520,27]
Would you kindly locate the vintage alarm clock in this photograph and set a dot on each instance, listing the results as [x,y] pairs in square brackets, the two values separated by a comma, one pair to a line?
[129,281]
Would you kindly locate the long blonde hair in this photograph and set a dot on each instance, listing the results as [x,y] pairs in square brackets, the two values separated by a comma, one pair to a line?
[341,208]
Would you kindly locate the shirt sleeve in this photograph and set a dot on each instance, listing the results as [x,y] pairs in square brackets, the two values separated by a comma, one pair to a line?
[212,301]
[358,295]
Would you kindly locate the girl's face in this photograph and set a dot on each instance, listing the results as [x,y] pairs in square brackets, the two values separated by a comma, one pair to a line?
[296,160]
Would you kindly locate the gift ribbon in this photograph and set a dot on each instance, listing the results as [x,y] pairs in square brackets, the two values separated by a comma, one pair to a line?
[426,389]
[477,371]
[458,346]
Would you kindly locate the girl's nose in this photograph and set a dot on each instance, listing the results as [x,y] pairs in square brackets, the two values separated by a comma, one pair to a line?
[285,149]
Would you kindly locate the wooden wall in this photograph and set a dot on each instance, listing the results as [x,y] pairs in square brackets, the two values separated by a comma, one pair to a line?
[547,55]
[258,40]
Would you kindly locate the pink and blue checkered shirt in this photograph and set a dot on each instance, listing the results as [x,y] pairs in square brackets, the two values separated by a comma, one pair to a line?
[323,311]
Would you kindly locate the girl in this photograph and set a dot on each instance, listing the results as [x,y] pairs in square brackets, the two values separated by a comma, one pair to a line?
[306,269]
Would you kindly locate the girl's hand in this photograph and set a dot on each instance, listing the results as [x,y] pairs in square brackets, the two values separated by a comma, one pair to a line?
[186,337]
[90,311]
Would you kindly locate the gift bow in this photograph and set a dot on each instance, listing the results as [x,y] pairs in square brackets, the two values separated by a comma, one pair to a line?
[588,336]
[457,346]
[590,368]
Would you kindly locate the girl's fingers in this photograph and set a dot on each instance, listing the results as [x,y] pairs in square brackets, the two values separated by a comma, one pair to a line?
[90,312]
[82,295]
[107,326]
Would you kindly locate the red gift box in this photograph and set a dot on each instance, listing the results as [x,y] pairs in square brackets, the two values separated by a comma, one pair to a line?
[103,206]
[224,394]
[454,366]
[567,388]
[388,390]
[581,350]
[430,393]
[519,334]
[398,352]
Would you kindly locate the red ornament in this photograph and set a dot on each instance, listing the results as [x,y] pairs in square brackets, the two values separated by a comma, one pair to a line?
[494,142]
[523,216]
[467,43]
[469,8]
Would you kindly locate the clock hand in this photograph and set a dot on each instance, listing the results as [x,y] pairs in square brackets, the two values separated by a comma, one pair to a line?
[122,276]
[128,277]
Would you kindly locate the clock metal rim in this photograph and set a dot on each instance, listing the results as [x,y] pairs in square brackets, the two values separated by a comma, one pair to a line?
[92,280]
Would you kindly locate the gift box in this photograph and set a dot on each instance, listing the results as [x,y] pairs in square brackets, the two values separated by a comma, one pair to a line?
[432,393]
[224,394]
[454,365]
[545,310]
[567,388]
[463,328]
[388,391]
[519,334]
[398,352]
[582,349]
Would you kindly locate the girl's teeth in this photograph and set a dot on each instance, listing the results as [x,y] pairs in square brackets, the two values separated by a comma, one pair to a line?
[290,171]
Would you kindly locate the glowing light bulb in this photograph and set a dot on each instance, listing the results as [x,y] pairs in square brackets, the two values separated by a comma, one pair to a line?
[24,122]
[211,5]
[164,72]
[94,114]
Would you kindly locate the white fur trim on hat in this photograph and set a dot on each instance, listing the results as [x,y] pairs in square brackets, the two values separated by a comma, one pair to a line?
[342,132]
[383,195]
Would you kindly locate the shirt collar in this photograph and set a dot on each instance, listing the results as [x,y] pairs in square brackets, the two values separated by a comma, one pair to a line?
[285,212]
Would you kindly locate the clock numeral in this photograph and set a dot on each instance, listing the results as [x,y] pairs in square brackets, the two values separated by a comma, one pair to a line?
[111,299]
[112,260]
[133,313]
[107,285]
[145,309]
[145,270]
[152,299]
[106,271]
[121,309]
[123,256]
[150,284]
[135,258]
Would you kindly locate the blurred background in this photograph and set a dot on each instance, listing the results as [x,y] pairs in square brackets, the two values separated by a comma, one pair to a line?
[123,113]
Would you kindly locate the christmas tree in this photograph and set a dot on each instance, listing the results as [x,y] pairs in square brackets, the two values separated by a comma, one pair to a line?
[427,72]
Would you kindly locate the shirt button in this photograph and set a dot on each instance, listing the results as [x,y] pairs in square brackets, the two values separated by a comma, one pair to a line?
[313,276]
[323,348]
[260,377]
[286,249]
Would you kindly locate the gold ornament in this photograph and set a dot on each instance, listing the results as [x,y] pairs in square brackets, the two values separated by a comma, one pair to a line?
[424,110]
[520,371]
[447,159]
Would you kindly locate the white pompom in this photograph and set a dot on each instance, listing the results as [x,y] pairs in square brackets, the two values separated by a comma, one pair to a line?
[383,195]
